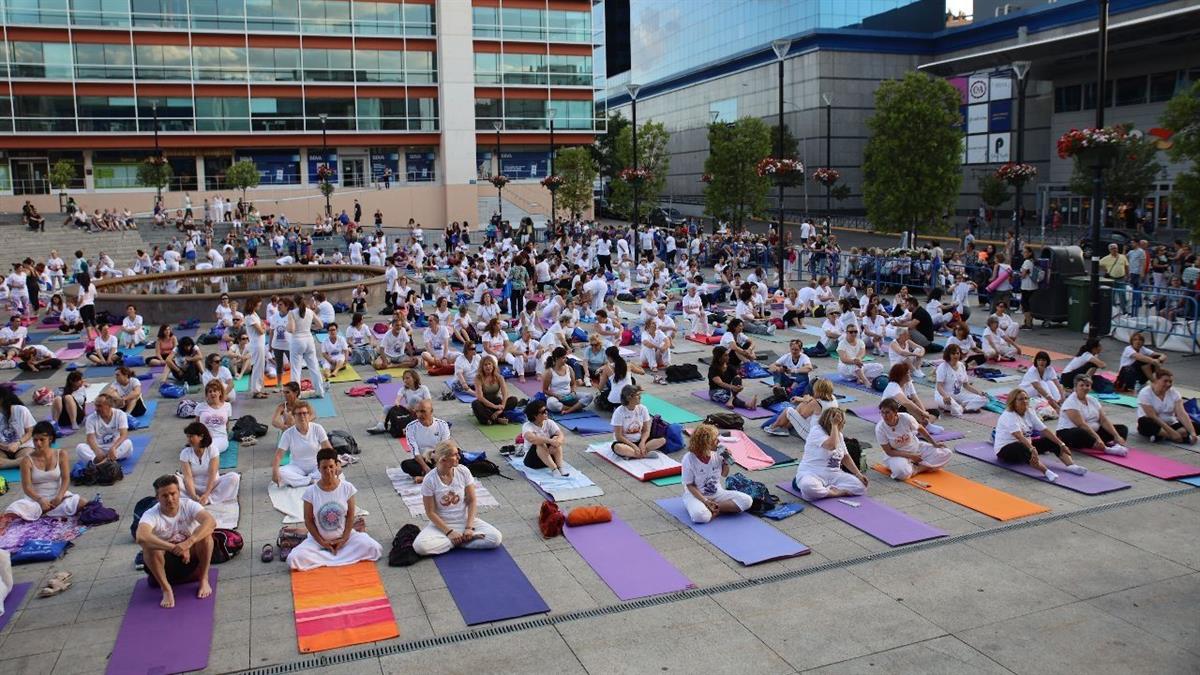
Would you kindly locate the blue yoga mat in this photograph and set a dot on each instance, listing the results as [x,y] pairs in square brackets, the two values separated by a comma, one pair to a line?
[1191,480]
[779,457]
[587,426]
[229,458]
[323,407]
[741,536]
[143,421]
[488,586]
[140,443]
[101,371]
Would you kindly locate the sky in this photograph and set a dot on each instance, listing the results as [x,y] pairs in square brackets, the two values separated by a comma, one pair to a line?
[956,6]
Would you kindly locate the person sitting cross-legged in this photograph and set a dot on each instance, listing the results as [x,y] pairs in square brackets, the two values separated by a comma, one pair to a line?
[900,435]
[176,539]
[45,476]
[329,517]
[448,492]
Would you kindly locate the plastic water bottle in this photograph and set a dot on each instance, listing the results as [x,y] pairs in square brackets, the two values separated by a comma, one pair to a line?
[862,462]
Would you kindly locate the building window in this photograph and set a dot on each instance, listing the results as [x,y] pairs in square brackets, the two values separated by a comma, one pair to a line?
[1131,90]
[219,63]
[339,113]
[378,18]
[44,113]
[485,22]
[174,113]
[275,167]
[218,15]
[117,170]
[328,65]
[222,114]
[103,62]
[421,165]
[44,12]
[107,113]
[377,65]
[275,64]
[44,60]
[487,68]
[276,114]
[100,12]
[1162,86]
[420,68]
[160,13]
[573,114]
[487,111]
[272,15]
[382,114]
[524,114]
[163,62]
[418,20]
[1068,99]
[325,16]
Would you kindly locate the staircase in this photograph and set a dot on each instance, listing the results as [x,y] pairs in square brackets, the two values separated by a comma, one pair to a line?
[20,243]
[512,212]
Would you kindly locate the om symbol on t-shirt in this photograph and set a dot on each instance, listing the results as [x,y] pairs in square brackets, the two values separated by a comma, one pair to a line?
[450,498]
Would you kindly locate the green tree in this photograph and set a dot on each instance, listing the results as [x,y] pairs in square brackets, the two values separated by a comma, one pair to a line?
[1183,117]
[154,172]
[840,192]
[61,174]
[578,170]
[1129,177]
[604,150]
[652,156]
[992,191]
[736,191]
[242,176]
[911,172]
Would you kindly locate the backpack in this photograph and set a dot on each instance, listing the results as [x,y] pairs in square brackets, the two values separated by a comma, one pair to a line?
[1037,275]
[1103,385]
[763,499]
[133,360]
[753,370]
[550,519]
[724,420]
[880,383]
[143,505]
[818,350]
[247,425]
[482,468]
[208,339]
[226,545]
[341,307]
[290,536]
[658,428]
[169,390]
[343,442]
[674,438]
[96,513]
[105,473]
[397,418]
[402,553]
[186,408]
[1190,406]
[683,373]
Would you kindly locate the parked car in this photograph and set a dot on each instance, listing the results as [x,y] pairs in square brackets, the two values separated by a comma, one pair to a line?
[1119,237]
[666,217]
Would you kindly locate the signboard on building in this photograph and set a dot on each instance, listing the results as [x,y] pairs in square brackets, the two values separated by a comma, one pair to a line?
[986,105]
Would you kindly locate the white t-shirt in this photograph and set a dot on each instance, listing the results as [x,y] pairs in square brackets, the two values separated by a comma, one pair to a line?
[902,437]
[1165,406]
[107,432]
[952,379]
[965,344]
[451,499]
[330,508]
[223,376]
[791,365]
[1128,352]
[894,389]
[1048,380]
[393,344]
[335,350]
[1010,422]
[706,476]
[468,369]
[817,459]
[631,421]
[727,339]
[1079,362]
[216,419]
[852,351]
[13,427]
[200,465]
[549,429]
[105,345]
[358,336]
[1089,408]
[173,529]
[423,439]
[411,397]
[437,343]
[304,447]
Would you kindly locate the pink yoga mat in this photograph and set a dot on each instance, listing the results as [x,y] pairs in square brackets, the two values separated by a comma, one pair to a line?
[745,451]
[1149,464]
[154,640]
[626,562]
[878,520]
[756,414]
[70,353]
[532,385]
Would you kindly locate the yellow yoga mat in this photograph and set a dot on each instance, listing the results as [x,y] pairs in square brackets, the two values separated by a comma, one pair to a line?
[396,373]
[347,374]
[975,496]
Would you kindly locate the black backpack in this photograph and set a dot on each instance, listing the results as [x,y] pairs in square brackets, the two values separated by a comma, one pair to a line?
[397,418]
[208,339]
[725,420]
[105,473]
[686,372]
[144,504]
[343,442]
[763,499]
[247,425]
[402,553]
[482,468]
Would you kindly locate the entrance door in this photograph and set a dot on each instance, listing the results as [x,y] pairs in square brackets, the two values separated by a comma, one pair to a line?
[354,172]
[30,176]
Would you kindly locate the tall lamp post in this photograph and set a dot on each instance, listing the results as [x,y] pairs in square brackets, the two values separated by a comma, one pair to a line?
[157,158]
[633,90]
[781,48]
[1021,69]
[498,125]
[828,101]
[553,204]
[1098,175]
[325,160]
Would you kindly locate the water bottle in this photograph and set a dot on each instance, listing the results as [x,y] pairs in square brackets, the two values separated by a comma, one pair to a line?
[862,462]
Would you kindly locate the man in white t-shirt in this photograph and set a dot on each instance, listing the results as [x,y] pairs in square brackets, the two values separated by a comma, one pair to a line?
[176,539]
[107,434]
[13,335]
[900,436]
[423,435]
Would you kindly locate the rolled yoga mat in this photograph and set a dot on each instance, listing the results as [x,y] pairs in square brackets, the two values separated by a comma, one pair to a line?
[588,425]
[487,585]
[1091,483]
[626,562]
[741,536]
[878,520]
[755,414]
[154,640]
[975,496]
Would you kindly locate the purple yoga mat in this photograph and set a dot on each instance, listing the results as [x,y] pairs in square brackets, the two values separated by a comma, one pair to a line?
[1091,483]
[984,418]
[13,601]
[154,641]
[743,537]
[1149,464]
[531,386]
[878,520]
[756,414]
[70,353]
[386,392]
[487,585]
[591,425]
[630,566]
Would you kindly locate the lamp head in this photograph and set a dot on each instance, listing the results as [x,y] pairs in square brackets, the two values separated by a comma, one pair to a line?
[781,47]
[1021,68]
[633,90]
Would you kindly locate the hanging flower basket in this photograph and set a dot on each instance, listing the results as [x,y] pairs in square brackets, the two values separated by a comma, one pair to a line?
[631,175]
[1092,146]
[778,168]
[706,178]
[324,173]
[499,181]
[1016,174]
[826,176]
[156,161]
[552,182]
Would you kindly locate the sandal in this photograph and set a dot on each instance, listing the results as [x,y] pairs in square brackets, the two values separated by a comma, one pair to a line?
[268,553]
[53,587]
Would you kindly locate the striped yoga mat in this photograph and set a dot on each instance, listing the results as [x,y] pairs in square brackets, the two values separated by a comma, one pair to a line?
[341,606]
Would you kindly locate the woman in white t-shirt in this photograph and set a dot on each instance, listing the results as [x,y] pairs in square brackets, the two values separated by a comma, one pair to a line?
[335,351]
[133,329]
[1021,436]
[851,351]
[823,468]
[631,427]
[361,340]
[1082,424]
[105,350]
[656,347]
[972,354]
[329,514]
[693,308]
[199,473]
[448,493]
[904,350]
[1138,364]
[558,384]
[901,389]
[214,412]
[996,346]
[1041,383]
[215,372]
[703,469]
[1086,362]
[302,348]
[1160,415]
[874,328]
[953,391]
[544,440]
[302,440]
[909,447]
[804,411]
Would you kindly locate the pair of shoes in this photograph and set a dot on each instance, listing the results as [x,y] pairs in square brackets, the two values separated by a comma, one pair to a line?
[248,440]
[59,582]
[777,431]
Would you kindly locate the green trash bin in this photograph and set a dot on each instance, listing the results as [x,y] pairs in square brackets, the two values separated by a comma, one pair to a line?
[1079,304]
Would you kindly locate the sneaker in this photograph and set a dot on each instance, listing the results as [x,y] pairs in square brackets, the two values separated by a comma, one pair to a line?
[377,429]
[919,374]
[139,563]
[1076,469]
[770,329]
[1051,476]
[1116,449]
[777,431]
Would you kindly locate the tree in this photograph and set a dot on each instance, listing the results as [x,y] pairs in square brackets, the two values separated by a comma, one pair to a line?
[736,191]
[61,174]
[242,176]
[993,192]
[1182,116]
[1129,177]
[911,172]
[652,156]
[154,172]
[604,150]
[578,170]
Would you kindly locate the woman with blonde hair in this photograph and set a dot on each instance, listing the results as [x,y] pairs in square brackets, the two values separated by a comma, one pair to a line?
[491,394]
[449,496]
[827,469]
[703,469]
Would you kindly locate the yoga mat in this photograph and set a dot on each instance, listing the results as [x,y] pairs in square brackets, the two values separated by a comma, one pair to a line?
[487,585]
[530,387]
[985,418]
[871,414]
[502,433]
[649,468]
[592,425]
[288,501]
[396,373]
[70,353]
[13,601]
[341,606]
[670,413]
[323,407]
[18,388]
[1148,463]
[780,459]
[386,392]
[1091,483]
[242,384]
[1194,480]
[227,514]
[626,562]
[558,488]
[975,496]
[30,375]
[275,382]
[147,417]
[347,374]
[101,371]
[1123,400]
[667,480]
[93,390]
[744,450]
[140,443]
[740,536]
[62,337]
[755,414]
[854,384]
[1030,351]
[464,396]
[878,520]
[19,532]
[410,492]
[154,640]
[229,458]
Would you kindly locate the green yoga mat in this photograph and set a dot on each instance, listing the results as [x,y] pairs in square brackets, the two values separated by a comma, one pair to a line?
[242,384]
[1123,400]
[667,480]
[671,413]
[504,433]
[229,458]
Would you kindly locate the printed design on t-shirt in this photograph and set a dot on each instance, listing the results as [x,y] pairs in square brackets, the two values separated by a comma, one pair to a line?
[331,516]
[450,498]
[710,486]
[8,433]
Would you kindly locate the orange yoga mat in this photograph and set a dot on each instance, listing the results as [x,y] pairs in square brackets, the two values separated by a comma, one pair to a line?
[1054,356]
[273,382]
[975,496]
[341,606]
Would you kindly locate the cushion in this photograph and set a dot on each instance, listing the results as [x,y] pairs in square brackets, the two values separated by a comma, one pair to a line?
[588,515]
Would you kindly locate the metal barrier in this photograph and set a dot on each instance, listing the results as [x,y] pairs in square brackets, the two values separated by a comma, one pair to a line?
[1170,315]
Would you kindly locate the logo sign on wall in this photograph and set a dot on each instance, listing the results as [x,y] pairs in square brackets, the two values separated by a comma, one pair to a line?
[987,110]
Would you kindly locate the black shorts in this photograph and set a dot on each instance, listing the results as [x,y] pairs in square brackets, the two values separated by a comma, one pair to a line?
[1026,300]
[176,571]
[532,460]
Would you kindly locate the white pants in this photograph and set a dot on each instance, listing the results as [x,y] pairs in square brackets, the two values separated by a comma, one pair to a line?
[433,541]
[133,339]
[302,353]
[295,476]
[359,547]
[258,364]
[1005,350]
[800,424]
[699,324]
[226,490]
[555,405]
[816,485]
[651,358]
[850,371]
[699,513]
[30,510]
[932,457]
[85,454]
[963,401]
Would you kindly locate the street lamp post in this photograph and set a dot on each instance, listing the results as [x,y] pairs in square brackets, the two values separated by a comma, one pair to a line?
[828,100]
[781,48]
[1021,69]
[633,90]
[158,158]
[325,160]
[553,202]
[1098,175]
[498,125]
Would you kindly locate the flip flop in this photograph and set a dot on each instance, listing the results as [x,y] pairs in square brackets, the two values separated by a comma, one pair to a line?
[268,553]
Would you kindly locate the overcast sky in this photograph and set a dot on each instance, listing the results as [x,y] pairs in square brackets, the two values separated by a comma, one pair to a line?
[956,6]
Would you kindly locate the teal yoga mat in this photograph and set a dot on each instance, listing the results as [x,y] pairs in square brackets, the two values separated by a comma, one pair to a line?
[323,407]
[670,413]
[229,458]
